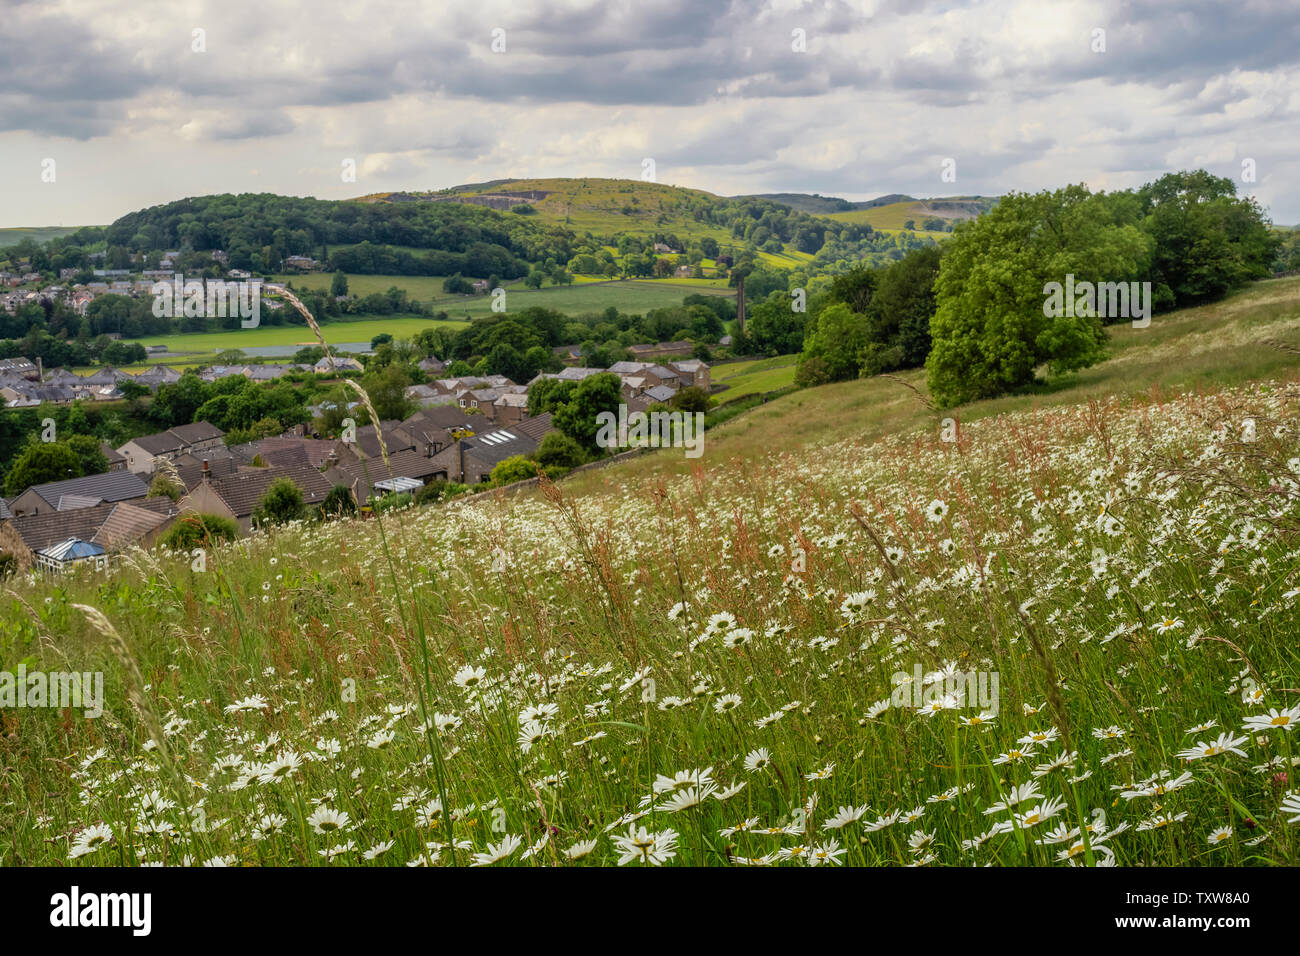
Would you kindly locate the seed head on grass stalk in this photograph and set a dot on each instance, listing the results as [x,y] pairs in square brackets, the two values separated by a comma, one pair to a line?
[425,689]
[134,680]
[135,691]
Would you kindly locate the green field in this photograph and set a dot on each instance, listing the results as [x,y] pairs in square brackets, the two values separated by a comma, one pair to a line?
[754,378]
[890,218]
[633,296]
[13,235]
[419,288]
[596,205]
[720,661]
[790,259]
[195,344]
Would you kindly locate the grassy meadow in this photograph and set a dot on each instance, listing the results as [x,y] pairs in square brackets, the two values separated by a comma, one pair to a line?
[12,235]
[192,344]
[754,377]
[626,295]
[1053,629]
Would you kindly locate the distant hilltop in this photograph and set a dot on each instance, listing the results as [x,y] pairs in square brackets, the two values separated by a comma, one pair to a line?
[604,202]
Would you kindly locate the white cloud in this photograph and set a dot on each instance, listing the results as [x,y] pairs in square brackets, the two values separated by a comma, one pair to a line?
[710,88]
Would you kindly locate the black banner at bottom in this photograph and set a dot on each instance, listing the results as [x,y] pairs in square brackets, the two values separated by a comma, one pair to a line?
[334,906]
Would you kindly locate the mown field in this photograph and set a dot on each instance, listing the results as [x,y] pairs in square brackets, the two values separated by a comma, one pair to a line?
[635,296]
[889,218]
[756,657]
[754,378]
[193,344]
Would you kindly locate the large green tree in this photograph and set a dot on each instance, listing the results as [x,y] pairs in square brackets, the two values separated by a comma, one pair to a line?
[900,313]
[1208,240]
[593,395]
[281,503]
[835,342]
[40,462]
[990,332]
[90,453]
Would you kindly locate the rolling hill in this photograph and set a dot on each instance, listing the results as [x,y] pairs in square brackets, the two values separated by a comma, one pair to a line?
[13,235]
[707,655]
[607,206]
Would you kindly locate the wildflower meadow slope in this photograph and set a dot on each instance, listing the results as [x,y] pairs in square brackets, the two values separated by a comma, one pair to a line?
[1067,637]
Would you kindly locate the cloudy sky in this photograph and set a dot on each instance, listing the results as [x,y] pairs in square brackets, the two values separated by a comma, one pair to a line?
[853,98]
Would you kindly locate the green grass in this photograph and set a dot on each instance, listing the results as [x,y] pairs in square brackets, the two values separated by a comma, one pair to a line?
[420,288]
[626,295]
[12,235]
[361,330]
[629,295]
[890,218]
[790,259]
[636,296]
[754,378]
[595,205]
[824,544]
[1222,344]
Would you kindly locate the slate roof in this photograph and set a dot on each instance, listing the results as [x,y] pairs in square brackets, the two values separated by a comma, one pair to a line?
[197,432]
[41,531]
[438,416]
[243,490]
[394,439]
[191,475]
[534,428]
[110,486]
[126,525]
[175,439]
[492,448]
[363,475]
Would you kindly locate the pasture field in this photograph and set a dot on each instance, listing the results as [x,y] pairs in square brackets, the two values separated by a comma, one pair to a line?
[634,296]
[597,205]
[209,343]
[626,295]
[420,288]
[1056,629]
[12,235]
[890,218]
[754,378]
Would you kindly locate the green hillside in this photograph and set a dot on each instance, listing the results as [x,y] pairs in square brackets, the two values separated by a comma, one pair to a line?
[732,660]
[13,235]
